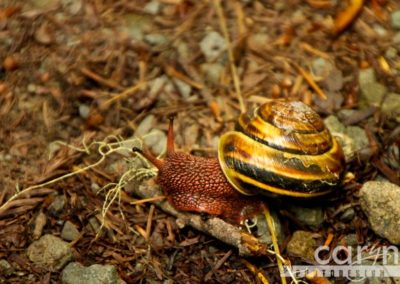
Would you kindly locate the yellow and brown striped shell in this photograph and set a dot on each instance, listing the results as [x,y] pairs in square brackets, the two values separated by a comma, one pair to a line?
[282,148]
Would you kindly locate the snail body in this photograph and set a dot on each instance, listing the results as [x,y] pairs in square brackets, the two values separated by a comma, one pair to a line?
[281,148]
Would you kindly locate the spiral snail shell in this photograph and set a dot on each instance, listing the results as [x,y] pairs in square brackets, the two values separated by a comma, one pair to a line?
[281,148]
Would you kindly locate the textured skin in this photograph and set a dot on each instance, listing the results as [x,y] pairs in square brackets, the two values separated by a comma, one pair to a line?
[198,184]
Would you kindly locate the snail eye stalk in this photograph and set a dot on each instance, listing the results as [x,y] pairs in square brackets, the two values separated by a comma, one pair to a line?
[150,157]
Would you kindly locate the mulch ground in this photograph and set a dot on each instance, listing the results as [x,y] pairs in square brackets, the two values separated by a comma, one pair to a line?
[80,71]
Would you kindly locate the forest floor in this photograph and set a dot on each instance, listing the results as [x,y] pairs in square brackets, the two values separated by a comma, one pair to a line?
[75,72]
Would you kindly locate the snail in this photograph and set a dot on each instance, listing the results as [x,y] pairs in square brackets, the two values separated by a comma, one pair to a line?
[281,148]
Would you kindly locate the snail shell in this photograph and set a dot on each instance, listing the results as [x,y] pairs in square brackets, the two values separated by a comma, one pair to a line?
[281,148]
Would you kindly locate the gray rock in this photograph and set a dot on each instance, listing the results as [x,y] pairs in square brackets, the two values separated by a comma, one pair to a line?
[156,39]
[351,138]
[321,67]
[258,41]
[359,137]
[72,6]
[5,268]
[379,201]
[396,38]
[137,25]
[212,72]
[391,53]
[156,141]
[372,93]
[393,152]
[94,225]
[344,114]
[184,88]
[311,217]
[395,19]
[84,111]
[366,76]
[57,206]
[348,215]
[153,7]
[76,273]
[212,46]
[159,85]
[391,105]
[303,244]
[69,231]
[263,233]
[145,125]
[50,251]
[380,30]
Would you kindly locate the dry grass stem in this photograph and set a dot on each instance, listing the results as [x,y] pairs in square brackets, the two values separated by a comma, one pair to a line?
[235,76]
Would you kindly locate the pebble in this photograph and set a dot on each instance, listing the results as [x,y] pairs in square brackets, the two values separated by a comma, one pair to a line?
[50,252]
[311,217]
[160,84]
[5,268]
[69,231]
[303,245]
[366,76]
[136,25]
[348,215]
[263,234]
[57,206]
[184,89]
[156,39]
[395,19]
[391,105]
[391,53]
[72,6]
[396,38]
[212,72]
[321,67]
[212,46]
[153,7]
[145,125]
[379,201]
[258,41]
[381,31]
[94,225]
[76,273]
[84,111]
[372,93]
[351,138]
[156,141]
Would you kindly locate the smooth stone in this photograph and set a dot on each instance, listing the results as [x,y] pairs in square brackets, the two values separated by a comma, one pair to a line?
[69,232]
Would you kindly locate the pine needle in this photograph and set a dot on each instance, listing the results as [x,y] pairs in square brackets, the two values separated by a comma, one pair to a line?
[235,76]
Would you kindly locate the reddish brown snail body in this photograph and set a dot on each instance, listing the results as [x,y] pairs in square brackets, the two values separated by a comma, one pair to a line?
[281,148]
